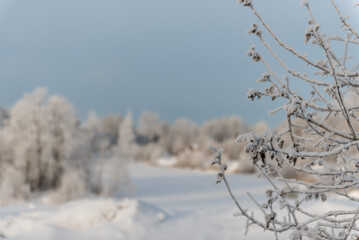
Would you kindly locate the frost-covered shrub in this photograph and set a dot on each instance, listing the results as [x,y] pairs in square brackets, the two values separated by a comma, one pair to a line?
[223,128]
[149,153]
[110,126]
[72,186]
[244,164]
[13,185]
[39,136]
[192,159]
[183,134]
[231,149]
[149,126]
[318,145]
[126,141]
[115,178]
[107,174]
[43,147]
[111,176]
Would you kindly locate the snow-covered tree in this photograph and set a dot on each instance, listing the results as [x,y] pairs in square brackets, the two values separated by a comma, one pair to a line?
[37,142]
[115,165]
[62,125]
[27,135]
[182,136]
[224,128]
[92,130]
[45,148]
[110,124]
[320,139]
[148,127]
[39,136]
[126,135]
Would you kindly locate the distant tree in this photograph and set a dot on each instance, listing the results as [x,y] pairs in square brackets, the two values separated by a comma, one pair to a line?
[182,135]
[27,133]
[45,148]
[148,128]
[108,164]
[126,135]
[223,128]
[39,137]
[117,159]
[110,127]
[62,126]
[92,130]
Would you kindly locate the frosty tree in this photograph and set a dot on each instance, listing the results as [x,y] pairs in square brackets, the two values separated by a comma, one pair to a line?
[113,159]
[320,141]
[40,138]
[126,135]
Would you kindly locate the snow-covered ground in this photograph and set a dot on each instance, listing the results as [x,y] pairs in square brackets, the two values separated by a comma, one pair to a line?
[164,204]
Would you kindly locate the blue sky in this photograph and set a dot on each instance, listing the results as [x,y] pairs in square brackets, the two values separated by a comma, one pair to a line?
[177,58]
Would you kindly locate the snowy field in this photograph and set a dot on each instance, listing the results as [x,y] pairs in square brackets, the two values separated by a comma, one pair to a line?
[164,204]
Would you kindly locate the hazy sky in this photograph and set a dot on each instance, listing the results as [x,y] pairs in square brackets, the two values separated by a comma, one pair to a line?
[178,58]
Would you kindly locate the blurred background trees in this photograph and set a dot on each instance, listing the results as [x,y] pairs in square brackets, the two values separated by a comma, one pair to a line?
[46,149]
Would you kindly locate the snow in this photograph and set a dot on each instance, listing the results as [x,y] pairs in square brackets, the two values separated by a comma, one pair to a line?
[167,162]
[164,204]
[84,219]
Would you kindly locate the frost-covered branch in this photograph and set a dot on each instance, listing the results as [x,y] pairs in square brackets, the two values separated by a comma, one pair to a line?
[318,144]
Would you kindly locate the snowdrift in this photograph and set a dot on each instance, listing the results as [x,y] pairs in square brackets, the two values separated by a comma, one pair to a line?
[84,219]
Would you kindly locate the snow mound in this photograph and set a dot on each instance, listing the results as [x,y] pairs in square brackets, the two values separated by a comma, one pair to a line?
[126,219]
